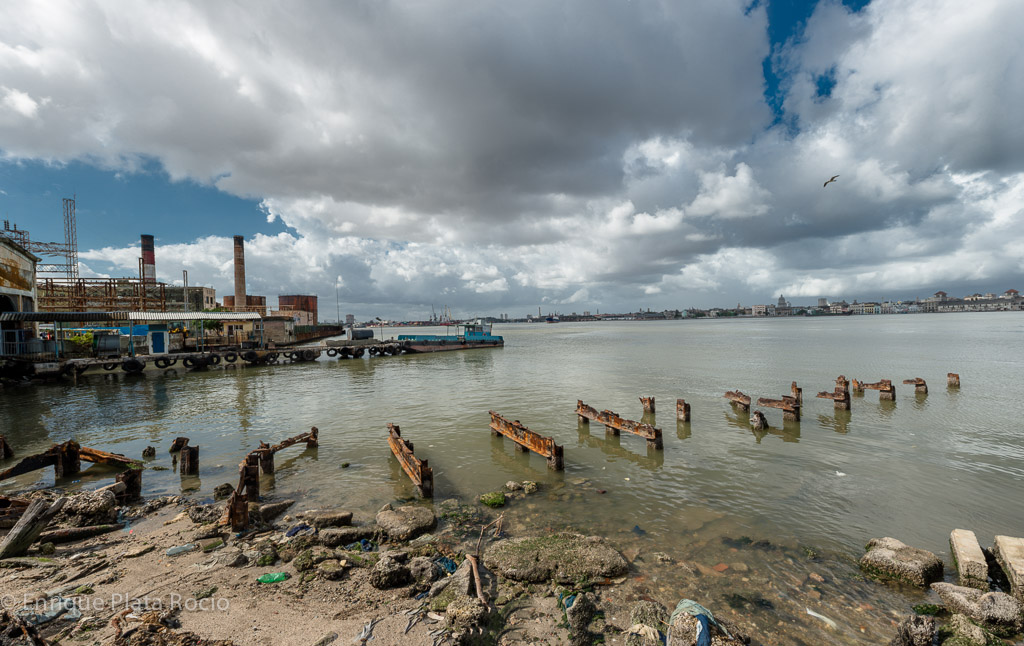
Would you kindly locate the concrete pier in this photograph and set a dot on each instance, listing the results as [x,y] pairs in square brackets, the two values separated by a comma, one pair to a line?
[1009,553]
[969,559]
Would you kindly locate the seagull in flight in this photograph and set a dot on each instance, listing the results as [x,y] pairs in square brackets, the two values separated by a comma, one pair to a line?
[829,181]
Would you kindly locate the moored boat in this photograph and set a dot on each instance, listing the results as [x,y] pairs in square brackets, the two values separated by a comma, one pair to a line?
[469,336]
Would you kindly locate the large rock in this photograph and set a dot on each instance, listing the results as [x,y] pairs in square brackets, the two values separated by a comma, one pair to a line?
[322,518]
[967,633]
[997,611]
[888,559]
[424,572]
[564,558]
[342,536]
[969,559]
[1009,552]
[390,571]
[651,617]
[91,508]
[914,631]
[406,522]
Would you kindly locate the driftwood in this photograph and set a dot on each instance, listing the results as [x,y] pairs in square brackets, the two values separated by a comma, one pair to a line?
[14,630]
[29,527]
[76,533]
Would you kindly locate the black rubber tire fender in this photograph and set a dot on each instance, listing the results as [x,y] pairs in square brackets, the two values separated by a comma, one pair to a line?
[133,365]
[358,352]
[332,352]
[309,355]
[231,356]
[109,366]
[272,357]
[188,362]
[161,363]
[213,359]
[251,356]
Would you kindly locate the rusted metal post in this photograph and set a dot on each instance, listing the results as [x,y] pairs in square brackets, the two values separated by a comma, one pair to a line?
[132,479]
[920,386]
[798,393]
[313,441]
[613,424]
[238,512]
[739,399]
[758,422]
[856,388]
[582,418]
[682,411]
[952,380]
[251,477]
[69,461]
[418,470]
[177,444]
[523,436]
[149,452]
[189,465]
[884,387]
[789,406]
[6,452]
[648,403]
[266,458]
[840,396]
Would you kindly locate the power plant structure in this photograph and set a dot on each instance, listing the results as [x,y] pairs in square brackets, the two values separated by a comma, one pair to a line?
[240,301]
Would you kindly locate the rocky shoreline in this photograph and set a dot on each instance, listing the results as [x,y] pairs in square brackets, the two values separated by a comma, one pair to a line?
[454,572]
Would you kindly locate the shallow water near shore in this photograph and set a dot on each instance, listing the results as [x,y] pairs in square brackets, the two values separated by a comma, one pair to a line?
[775,507]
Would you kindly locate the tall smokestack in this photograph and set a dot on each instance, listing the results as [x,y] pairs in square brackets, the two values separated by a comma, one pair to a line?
[148,259]
[239,274]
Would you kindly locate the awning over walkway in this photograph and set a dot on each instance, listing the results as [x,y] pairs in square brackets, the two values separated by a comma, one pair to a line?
[134,317]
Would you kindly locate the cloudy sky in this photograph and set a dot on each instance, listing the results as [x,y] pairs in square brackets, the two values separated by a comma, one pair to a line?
[502,156]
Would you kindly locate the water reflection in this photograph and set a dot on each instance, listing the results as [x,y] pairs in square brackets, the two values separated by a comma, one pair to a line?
[886,407]
[920,401]
[611,445]
[683,430]
[517,461]
[839,422]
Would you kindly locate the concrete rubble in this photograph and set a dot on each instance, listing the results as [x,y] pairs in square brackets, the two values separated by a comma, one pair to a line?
[888,559]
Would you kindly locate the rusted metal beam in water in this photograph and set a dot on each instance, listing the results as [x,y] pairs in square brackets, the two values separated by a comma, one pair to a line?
[189,464]
[648,403]
[738,398]
[615,423]
[797,393]
[6,452]
[682,410]
[177,444]
[884,387]
[97,456]
[952,380]
[524,437]
[418,471]
[840,396]
[919,385]
[789,406]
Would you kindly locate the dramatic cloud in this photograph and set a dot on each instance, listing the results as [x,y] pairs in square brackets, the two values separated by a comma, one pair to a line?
[584,154]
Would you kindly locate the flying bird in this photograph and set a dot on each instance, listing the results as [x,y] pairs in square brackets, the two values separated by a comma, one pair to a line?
[829,181]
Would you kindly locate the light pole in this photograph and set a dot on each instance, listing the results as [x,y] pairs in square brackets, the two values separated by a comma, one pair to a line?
[381,327]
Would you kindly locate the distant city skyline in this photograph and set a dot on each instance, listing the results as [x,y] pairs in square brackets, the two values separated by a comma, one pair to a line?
[495,158]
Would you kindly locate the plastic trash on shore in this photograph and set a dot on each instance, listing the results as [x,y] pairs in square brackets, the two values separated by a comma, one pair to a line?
[180,549]
[446,564]
[705,619]
[302,529]
[274,577]
[58,606]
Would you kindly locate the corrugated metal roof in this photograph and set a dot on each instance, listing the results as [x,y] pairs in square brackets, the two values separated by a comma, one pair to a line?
[193,316]
[63,317]
[93,317]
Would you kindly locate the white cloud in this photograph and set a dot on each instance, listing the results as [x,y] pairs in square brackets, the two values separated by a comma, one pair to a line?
[501,157]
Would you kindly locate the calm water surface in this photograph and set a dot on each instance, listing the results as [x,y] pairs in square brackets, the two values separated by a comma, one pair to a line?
[914,469]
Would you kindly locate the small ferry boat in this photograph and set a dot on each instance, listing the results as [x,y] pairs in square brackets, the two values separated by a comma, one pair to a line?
[470,335]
